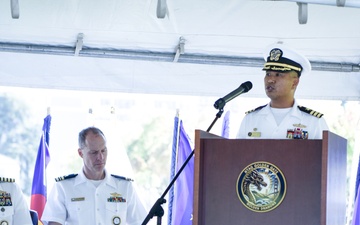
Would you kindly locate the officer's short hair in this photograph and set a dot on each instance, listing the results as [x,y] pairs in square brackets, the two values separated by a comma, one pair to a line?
[84,132]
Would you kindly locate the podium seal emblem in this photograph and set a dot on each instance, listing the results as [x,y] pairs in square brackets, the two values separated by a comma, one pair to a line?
[261,187]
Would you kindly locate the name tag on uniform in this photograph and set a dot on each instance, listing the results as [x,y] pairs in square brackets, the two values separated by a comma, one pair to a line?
[254,133]
[78,199]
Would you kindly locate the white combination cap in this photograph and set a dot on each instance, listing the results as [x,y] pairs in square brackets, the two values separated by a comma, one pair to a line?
[280,57]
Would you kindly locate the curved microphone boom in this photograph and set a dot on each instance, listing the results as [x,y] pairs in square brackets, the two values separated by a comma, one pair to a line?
[243,88]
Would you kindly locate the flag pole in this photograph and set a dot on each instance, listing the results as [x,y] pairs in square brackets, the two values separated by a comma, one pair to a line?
[178,132]
[156,209]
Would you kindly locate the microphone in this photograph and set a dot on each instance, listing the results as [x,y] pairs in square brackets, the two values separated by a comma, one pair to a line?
[243,88]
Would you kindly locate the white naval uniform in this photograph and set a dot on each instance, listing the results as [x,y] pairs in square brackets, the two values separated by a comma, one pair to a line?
[16,213]
[77,201]
[262,123]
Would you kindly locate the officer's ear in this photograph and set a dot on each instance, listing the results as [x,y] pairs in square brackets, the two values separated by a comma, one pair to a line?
[295,80]
[80,152]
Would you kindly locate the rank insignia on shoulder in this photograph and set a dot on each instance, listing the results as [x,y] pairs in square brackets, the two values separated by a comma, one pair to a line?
[9,180]
[121,177]
[310,111]
[256,109]
[65,177]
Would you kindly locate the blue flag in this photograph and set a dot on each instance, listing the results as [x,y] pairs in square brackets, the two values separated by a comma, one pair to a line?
[172,166]
[39,190]
[182,199]
[356,213]
[225,125]
[357,182]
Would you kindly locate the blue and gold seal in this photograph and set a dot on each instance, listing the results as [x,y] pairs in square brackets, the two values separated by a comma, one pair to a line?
[261,187]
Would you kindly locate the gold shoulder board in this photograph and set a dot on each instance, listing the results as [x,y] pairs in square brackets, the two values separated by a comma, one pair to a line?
[122,178]
[310,111]
[9,180]
[65,177]
[256,109]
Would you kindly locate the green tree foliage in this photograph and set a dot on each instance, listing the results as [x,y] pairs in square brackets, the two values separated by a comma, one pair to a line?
[18,137]
[345,125]
[149,156]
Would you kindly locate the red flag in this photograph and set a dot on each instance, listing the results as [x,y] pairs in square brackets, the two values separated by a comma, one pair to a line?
[39,189]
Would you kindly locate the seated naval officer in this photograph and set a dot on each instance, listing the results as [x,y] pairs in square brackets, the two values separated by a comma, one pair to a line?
[14,209]
[93,196]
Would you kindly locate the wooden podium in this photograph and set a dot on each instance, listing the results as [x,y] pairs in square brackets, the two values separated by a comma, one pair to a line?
[314,170]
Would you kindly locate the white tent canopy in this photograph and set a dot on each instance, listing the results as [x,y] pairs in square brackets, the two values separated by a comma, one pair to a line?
[202,47]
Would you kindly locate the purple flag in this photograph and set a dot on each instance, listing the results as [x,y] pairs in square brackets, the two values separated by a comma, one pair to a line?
[39,190]
[182,207]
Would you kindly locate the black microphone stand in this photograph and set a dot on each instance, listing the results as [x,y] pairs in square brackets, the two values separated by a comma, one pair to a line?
[157,209]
